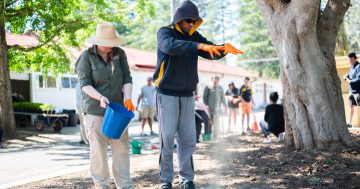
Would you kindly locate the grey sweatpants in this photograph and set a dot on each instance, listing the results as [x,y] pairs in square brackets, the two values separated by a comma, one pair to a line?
[176,117]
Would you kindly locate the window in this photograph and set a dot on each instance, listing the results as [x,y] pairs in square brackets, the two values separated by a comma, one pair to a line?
[65,83]
[68,82]
[47,82]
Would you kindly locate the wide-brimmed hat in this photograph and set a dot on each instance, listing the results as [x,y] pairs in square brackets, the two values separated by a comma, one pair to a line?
[106,36]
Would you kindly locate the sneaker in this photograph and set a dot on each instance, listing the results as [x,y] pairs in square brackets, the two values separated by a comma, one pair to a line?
[187,185]
[152,133]
[266,141]
[348,125]
[142,134]
[281,138]
[166,185]
[82,142]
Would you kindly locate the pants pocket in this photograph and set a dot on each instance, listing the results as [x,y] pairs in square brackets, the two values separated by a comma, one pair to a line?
[88,125]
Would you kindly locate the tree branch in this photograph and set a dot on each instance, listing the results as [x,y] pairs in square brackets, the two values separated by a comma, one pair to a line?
[18,12]
[9,3]
[51,38]
[329,24]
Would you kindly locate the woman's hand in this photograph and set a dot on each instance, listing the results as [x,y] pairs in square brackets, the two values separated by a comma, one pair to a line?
[104,102]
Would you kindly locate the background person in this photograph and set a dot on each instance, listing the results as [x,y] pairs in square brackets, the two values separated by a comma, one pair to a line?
[353,78]
[245,94]
[214,98]
[148,105]
[232,96]
[201,117]
[83,137]
[274,119]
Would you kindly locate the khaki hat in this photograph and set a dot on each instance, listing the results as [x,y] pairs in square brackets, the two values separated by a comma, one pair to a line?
[106,36]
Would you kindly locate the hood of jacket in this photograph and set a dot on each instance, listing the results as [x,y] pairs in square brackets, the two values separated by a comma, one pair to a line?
[187,10]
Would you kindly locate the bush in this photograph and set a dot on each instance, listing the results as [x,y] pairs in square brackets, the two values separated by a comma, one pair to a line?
[32,107]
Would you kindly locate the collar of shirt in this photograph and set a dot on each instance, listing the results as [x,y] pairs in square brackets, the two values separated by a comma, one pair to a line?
[356,63]
[94,51]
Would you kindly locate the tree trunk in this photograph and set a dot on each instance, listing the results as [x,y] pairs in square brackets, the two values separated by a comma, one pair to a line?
[342,43]
[305,42]
[7,111]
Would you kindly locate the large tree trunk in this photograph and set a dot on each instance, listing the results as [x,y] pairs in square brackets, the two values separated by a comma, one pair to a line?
[305,41]
[7,111]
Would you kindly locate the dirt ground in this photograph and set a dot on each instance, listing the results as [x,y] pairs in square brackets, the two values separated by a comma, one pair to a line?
[242,162]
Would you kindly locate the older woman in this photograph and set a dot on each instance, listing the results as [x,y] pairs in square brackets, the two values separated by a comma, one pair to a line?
[104,76]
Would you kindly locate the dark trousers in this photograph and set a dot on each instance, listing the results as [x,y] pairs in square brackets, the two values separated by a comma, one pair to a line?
[201,117]
[1,134]
[264,128]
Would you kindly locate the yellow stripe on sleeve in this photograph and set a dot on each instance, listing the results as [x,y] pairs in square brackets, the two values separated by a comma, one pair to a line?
[160,76]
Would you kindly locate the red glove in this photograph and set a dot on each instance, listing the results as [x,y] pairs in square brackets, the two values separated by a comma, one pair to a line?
[129,105]
[231,49]
[211,49]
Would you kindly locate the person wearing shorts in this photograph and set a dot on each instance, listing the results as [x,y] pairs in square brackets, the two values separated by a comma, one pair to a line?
[232,96]
[148,105]
[353,78]
[246,101]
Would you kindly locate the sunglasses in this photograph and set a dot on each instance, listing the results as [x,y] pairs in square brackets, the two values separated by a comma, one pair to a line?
[190,21]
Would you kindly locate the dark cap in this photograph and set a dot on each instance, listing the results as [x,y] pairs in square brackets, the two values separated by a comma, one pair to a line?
[352,55]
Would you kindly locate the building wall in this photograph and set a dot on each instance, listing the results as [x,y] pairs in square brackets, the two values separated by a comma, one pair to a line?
[59,97]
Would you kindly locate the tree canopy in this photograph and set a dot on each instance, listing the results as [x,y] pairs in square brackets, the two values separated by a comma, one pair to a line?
[60,25]
[352,26]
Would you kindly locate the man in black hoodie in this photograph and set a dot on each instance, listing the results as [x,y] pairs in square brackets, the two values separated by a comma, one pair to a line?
[175,78]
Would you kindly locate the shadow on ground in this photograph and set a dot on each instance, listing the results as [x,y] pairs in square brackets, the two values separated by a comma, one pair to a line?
[244,162]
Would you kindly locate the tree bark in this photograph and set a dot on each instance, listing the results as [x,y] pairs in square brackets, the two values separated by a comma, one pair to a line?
[305,40]
[7,118]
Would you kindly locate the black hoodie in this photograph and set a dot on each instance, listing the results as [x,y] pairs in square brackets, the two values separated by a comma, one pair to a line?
[177,63]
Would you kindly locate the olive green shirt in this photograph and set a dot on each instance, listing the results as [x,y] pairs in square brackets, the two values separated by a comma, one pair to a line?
[107,78]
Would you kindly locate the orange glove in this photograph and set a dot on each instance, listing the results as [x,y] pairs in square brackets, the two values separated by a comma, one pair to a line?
[129,105]
[231,49]
[211,49]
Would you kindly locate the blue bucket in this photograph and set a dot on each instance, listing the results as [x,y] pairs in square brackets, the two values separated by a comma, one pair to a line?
[116,120]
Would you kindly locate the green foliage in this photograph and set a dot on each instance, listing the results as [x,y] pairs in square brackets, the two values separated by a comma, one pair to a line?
[61,24]
[48,59]
[255,41]
[142,32]
[342,43]
[29,106]
[352,26]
